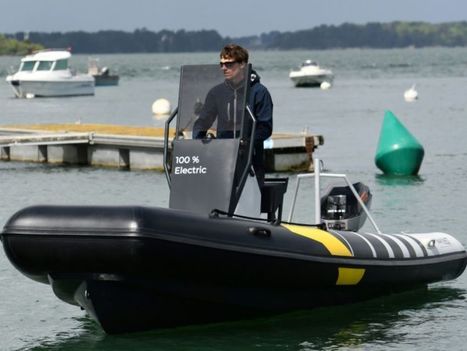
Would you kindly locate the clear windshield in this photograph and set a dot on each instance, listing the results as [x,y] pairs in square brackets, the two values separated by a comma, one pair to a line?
[209,104]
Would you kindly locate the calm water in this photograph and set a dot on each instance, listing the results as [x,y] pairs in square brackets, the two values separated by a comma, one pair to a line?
[349,116]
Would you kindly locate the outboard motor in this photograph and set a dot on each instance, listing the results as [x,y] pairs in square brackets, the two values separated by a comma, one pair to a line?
[340,209]
[214,171]
[336,206]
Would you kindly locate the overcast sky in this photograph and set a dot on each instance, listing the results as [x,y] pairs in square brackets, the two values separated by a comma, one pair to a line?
[228,17]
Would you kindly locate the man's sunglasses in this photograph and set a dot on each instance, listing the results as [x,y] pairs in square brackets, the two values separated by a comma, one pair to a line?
[228,65]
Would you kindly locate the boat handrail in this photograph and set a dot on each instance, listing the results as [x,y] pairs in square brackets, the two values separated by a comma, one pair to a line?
[317,175]
[250,152]
[166,145]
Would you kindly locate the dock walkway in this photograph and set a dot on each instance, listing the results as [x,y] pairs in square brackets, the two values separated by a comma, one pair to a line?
[132,148]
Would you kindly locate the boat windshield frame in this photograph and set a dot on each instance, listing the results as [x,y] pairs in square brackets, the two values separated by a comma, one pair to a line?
[200,83]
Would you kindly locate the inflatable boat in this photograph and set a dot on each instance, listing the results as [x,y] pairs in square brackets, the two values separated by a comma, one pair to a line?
[221,251]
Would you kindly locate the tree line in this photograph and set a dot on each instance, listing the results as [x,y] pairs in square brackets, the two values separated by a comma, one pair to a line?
[371,35]
[10,46]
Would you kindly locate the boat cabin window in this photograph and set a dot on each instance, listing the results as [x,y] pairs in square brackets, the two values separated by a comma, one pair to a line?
[27,66]
[61,65]
[44,65]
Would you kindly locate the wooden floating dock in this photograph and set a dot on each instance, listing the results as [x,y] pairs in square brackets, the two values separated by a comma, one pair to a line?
[132,148]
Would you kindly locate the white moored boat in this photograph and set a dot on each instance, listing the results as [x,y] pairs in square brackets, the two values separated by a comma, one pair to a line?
[310,74]
[46,73]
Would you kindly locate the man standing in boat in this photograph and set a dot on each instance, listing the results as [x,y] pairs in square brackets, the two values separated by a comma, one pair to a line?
[224,101]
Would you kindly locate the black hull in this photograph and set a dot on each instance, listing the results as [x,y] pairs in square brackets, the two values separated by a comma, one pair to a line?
[145,306]
[308,85]
[106,80]
[135,268]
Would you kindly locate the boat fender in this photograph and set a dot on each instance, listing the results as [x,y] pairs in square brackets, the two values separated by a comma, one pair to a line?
[260,231]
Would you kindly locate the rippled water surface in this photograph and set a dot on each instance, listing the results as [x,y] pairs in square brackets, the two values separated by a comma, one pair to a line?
[349,116]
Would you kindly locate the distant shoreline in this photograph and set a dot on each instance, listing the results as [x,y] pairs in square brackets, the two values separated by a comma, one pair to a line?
[371,35]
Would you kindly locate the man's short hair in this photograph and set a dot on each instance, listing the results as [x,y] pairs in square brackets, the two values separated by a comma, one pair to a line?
[235,52]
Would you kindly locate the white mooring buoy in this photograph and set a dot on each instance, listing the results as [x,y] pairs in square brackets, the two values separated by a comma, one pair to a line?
[411,94]
[161,107]
[325,85]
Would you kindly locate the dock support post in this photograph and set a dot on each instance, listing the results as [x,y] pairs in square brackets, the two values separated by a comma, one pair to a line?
[124,159]
[68,154]
[5,154]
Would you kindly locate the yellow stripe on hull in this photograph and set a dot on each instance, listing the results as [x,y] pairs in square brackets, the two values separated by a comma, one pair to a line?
[345,276]
[334,245]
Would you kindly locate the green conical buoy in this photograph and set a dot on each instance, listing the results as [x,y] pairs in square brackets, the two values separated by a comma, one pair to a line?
[398,152]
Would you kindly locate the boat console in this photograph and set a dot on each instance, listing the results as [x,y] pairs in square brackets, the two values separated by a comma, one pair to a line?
[214,172]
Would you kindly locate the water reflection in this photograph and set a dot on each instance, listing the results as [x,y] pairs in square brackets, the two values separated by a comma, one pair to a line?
[374,325]
[384,179]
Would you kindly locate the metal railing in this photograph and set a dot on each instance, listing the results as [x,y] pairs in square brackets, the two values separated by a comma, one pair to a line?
[250,152]
[166,146]
[317,175]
